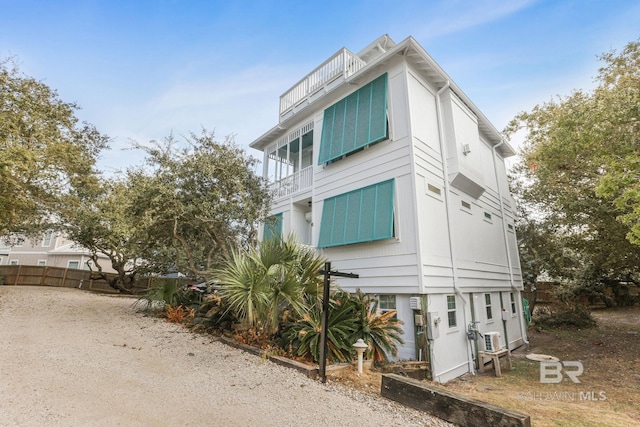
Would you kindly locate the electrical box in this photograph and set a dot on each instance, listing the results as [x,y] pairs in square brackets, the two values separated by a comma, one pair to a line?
[492,341]
[433,325]
[415,303]
[418,319]
[505,314]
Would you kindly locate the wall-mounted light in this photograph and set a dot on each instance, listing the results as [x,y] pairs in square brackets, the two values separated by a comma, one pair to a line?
[466,149]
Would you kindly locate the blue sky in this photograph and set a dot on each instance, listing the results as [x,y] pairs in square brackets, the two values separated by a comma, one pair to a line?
[141,69]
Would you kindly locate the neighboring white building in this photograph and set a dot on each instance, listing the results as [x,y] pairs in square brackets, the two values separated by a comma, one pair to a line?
[52,249]
[384,164]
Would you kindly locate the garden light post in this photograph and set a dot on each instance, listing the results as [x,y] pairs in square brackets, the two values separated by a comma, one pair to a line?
[325,314]
[360,347]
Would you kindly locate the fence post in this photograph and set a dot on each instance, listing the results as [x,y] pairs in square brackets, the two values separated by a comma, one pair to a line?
[18,275]
[44,276]
[64,277]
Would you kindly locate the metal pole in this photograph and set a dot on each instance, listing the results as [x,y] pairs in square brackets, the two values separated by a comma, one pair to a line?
[325,321]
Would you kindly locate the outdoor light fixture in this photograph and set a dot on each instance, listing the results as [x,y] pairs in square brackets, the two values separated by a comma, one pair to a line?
[360,347]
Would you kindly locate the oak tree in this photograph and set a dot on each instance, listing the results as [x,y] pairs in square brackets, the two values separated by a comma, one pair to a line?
[46,153]
[579,175]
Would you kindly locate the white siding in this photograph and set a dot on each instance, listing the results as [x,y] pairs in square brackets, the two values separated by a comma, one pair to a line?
[387,266]
[450,352]
[418,259]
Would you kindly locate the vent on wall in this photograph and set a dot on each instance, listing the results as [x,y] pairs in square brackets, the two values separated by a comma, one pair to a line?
[433,189]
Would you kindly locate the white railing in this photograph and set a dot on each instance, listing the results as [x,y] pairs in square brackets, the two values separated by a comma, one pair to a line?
[343,63]
[291,184]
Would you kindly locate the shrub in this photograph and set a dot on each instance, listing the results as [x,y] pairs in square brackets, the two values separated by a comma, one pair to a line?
[351,317]
[303,336]
[577,317]
[212,315]
[381,331]
[168,292]
[179,314]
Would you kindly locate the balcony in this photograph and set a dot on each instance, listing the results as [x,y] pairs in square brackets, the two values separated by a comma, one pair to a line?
[298,181]
[343,64]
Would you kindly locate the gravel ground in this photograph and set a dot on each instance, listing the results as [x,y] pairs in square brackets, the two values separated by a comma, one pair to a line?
[74,358]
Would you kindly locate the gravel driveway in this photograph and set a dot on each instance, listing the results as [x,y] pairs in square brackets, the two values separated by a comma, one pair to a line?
[74,358]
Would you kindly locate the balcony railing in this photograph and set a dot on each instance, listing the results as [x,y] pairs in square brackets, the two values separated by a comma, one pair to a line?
[343,63]
[291,184]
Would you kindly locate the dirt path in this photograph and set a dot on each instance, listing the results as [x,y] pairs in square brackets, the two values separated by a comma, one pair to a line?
[74,358]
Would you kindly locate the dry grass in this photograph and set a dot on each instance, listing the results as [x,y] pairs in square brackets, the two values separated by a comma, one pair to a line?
[609,391]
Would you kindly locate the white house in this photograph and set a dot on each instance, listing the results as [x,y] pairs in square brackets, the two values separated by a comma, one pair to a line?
[52,249]
[381,162]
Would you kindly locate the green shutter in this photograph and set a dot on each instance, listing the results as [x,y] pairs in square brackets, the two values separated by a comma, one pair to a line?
[362,215]
[326,223]
[354,122]
[273,227]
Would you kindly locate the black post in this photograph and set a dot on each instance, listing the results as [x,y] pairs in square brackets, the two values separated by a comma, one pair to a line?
[325,321]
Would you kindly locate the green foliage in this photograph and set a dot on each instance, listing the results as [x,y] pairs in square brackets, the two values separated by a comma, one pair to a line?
[48,157]
[168,292]
[184,211]
[104,222]
[351,317]
[196,203]
[303,336]
[259,285]
[381,331]
[577,317]
[578,182]
[213,315]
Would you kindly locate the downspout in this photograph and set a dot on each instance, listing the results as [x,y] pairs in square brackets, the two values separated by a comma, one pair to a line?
[445,172]
[476,363]
[506,246]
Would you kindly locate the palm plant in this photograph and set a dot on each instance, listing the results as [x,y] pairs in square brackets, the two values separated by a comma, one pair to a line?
[304,335]
[260,284]
[381,331]
[164,292]
[244,287]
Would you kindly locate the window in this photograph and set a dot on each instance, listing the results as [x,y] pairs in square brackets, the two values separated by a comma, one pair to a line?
[510,227]
[465,205]
[273,227]
[362,215]
[73,264]
[13,262]
[387,303]
[42,262]
[487,306]
[451,311]
[290,154]
[46,240]
[354,122]
[487,216]
[513,303]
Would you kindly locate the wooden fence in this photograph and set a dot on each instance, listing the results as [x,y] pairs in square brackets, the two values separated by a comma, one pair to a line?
[31,275]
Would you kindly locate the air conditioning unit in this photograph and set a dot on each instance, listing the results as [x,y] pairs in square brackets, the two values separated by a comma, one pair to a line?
[492,341]
[415,303]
